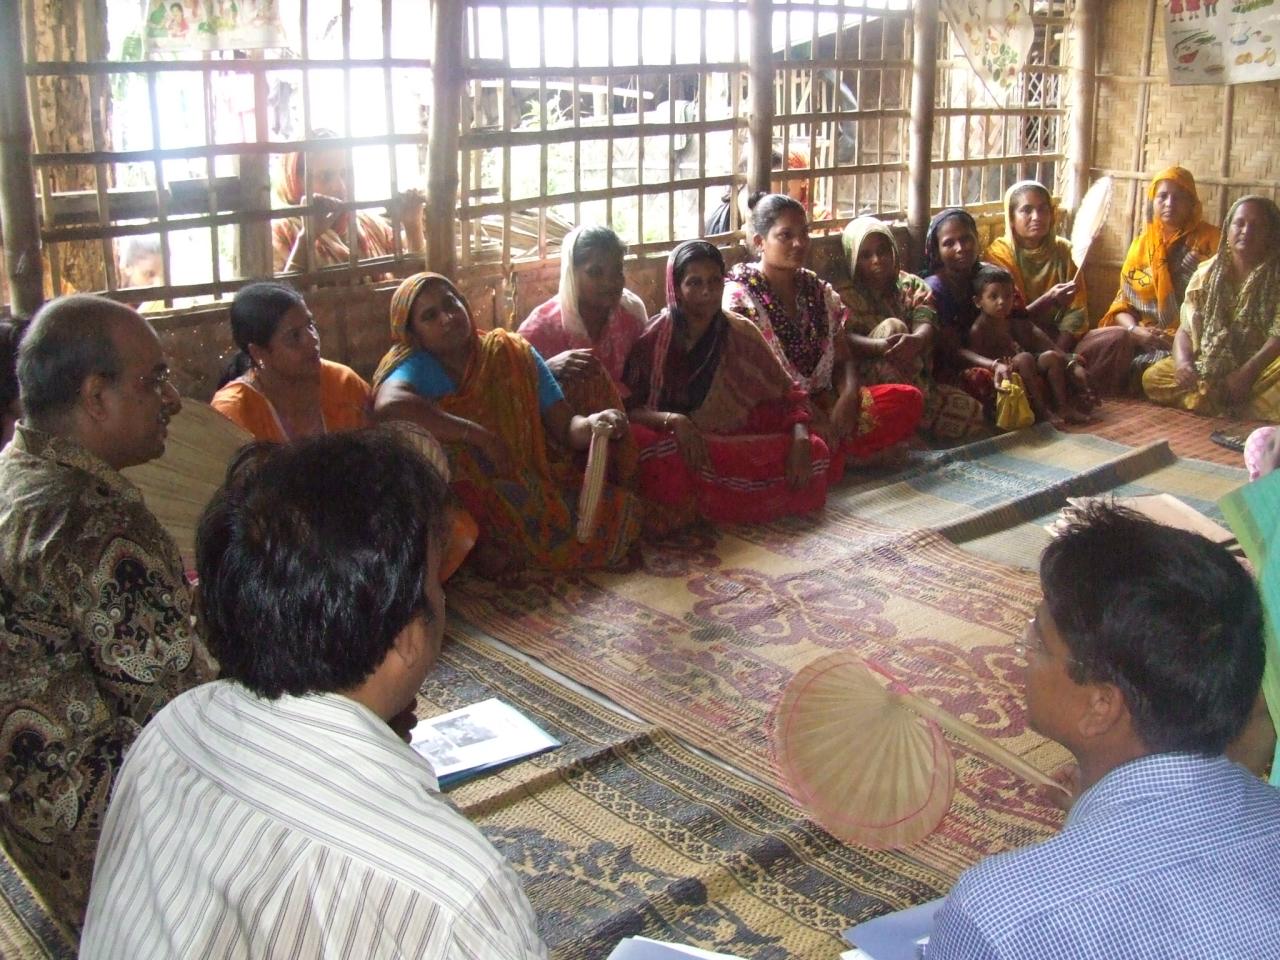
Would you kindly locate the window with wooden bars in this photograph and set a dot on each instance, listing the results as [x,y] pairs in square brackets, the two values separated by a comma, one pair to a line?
[162,161]
[981,146]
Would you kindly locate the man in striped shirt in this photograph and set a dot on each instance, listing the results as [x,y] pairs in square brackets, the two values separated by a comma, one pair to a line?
[1144,660]
[274,813]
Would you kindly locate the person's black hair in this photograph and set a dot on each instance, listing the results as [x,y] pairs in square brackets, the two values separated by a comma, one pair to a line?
[597,240]
[256,313]
[688,253]
[67,341]
[932,250]
[313,556]
[10,335]
[1169,617]
[768,208]
[691,251]
[987,274]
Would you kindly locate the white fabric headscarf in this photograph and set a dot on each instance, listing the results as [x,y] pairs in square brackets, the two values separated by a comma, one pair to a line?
[569,315]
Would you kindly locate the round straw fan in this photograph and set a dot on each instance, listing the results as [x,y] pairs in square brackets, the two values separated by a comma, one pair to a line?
[865,766]
[178,485]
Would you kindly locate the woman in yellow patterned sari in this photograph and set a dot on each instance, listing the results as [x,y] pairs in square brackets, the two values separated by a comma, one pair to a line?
[1159,265]
[1226,353]
[490,399]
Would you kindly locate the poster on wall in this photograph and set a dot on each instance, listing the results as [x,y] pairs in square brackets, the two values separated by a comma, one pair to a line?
[996,36]
[1222,41]
[212,25]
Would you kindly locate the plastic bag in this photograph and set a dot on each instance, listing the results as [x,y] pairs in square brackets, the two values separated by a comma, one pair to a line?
[1013,409]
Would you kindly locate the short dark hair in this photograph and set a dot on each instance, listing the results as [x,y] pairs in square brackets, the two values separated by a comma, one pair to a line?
[767,208]
[987,274]
[1169,617]
[67,341]
[256,312]
[595,240]
[312,558]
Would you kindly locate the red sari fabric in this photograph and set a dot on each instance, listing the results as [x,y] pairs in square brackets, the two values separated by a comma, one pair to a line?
[745,405]
[890,414]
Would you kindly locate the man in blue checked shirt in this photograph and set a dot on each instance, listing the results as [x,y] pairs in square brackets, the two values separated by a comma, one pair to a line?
[1144,659]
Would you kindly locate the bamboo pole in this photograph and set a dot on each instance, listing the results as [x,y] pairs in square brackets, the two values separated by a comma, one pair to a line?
[1084,62]
[22,260]
[924,77]
[442,144]
[760,79]
[1224,165]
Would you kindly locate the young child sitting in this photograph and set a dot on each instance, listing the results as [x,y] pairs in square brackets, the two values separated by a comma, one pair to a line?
[993,334]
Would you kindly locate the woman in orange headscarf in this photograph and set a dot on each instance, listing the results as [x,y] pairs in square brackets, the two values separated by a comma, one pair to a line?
[326,232]
[1159,265]
[490,399]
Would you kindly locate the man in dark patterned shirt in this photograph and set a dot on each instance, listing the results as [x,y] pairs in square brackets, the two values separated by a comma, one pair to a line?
[96,632]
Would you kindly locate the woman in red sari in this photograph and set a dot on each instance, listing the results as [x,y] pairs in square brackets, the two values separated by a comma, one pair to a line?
[723,431]
[802,319]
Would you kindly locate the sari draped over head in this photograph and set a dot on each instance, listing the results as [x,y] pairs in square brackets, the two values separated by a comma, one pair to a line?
[728,372]
[804,344]
[1228,324]
[375,234]
[556,325]
[932,248]
[533,513]
[899,308]
[733,389]
[908,298]
[1161,260]
[1035,271]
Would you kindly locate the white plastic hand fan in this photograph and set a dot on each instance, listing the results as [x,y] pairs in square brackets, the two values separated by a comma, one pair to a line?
[1089,219]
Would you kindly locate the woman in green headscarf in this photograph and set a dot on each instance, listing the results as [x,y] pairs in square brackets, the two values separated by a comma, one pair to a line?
[1226,353]
[891,326]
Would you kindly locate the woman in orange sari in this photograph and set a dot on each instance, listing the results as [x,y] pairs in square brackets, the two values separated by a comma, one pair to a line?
[326,231]
[490,399]
[1159,265]
[276,385]
[278,388]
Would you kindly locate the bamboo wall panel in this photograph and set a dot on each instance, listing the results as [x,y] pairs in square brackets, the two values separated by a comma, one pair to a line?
[1182,125]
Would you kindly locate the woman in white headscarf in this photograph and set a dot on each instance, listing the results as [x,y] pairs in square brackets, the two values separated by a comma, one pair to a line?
[587,329]
[594,316]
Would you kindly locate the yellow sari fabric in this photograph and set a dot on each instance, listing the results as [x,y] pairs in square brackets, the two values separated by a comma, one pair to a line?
[1148,286]
[1035,271]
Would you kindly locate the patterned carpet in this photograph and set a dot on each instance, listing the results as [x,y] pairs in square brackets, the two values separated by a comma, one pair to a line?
[622,832]
[27,932]
[926,572]
[703,635]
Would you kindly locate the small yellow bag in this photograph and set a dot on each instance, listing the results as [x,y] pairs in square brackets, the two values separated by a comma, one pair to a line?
[1013,409]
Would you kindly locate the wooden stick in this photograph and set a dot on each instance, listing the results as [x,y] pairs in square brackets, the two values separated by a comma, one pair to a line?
[443,144]
[978,741]
[24,266]
[760,84]
[924,78]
